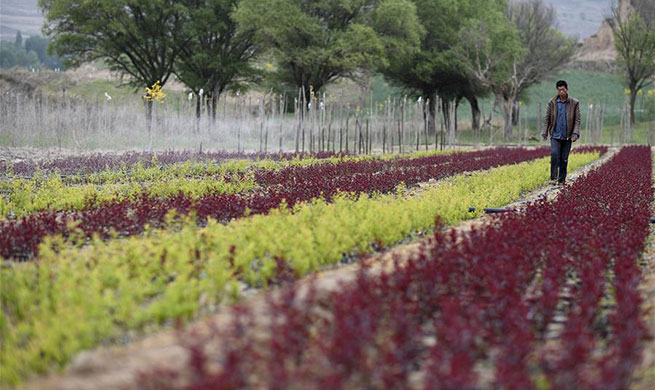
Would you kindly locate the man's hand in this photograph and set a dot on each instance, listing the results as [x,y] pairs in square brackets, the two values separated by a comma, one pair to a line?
[543,137]
[574,137]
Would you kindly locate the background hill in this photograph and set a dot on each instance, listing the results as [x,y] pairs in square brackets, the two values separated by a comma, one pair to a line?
[23,15]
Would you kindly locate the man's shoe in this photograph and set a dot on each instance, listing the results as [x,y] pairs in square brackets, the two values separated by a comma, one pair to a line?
[561,183]
[552,182]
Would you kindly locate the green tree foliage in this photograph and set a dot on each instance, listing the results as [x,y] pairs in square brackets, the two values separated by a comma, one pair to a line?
[317,42]
[7,55]
[29,53]
[434,68]
[14,54]
[491,53]
[10,56]
[39,45]
[216,57]
[400,31]
[634,39]
[18,43]
[136,37]
[399,26]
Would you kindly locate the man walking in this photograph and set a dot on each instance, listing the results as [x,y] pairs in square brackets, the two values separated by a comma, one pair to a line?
[562,124]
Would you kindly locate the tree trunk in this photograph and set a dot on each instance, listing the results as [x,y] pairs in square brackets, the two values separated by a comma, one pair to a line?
[148,122]
[311,93]
[515,112]
[149,116]
[214,104]
[452,130]
[432,114]
[476,114]
[365,87]
[505,106]
[633,98]
[457,100]
[208,108]
[306,98]
[215,97]
[445,113]
[198,109]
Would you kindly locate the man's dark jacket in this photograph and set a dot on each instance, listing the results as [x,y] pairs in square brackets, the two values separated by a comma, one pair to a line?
[572,117]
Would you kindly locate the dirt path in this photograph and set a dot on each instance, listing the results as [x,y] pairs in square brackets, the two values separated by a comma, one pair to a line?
[644,378]
[119,367]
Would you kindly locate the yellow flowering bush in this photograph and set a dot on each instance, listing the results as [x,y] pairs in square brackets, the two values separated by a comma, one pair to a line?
[155,93]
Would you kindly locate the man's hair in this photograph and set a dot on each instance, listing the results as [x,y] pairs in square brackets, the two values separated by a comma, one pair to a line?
[562,83]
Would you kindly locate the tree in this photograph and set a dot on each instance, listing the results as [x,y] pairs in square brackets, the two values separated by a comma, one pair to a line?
[547,48]
[491,53]
[509,52]
[634,39]
[434,68]
[400,29]
[27,59]
[471,91]
[314,42]
[139,38]
[11,56]
[217,57]
[39,45]
[399,26]
[18,43]
[7,54]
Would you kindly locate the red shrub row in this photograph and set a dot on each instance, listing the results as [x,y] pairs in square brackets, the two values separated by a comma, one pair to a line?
[386,174]
[484,298]
[20,238]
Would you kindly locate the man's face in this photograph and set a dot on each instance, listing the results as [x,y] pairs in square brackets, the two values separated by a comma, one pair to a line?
[563,93]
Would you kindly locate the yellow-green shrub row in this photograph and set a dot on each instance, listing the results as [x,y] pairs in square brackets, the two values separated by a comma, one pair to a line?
[72,299]
[52,194]
[24,196]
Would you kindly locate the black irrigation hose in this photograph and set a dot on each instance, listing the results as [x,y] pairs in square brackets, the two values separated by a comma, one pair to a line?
[492,210]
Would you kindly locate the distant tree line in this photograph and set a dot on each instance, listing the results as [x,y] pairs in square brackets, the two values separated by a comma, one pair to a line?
[30,53]
[464,49]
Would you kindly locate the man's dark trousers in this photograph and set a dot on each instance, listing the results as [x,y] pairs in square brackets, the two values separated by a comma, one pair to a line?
[559,158]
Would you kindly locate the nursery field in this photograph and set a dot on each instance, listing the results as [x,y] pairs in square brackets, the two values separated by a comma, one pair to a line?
[107,250]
